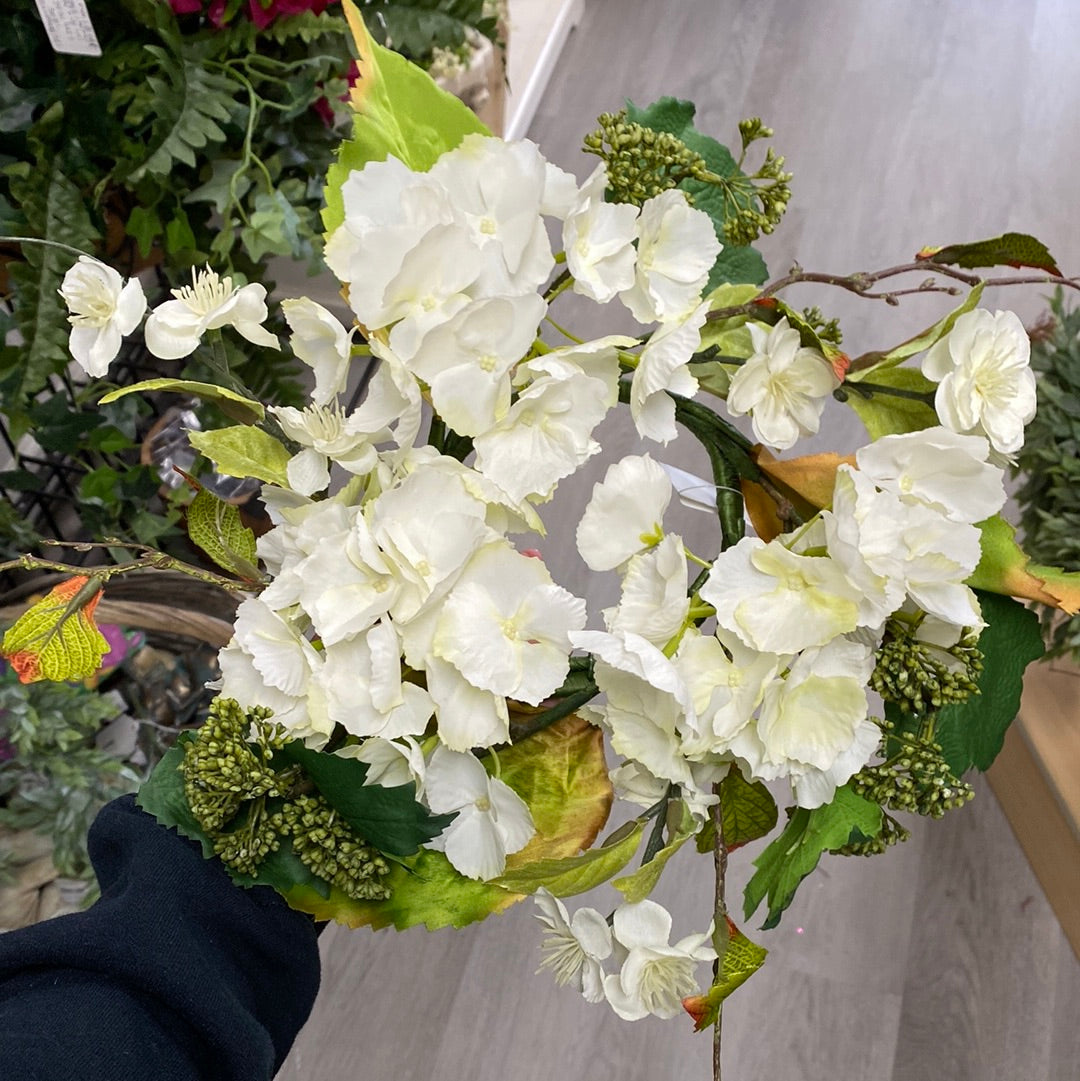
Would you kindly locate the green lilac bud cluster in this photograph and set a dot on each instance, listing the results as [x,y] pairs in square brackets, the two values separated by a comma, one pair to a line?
[641,163]
[755,203]
[329,847]
[891,833]
[228,763]
[246,805]
[915,777]
[826,330]
[921,677]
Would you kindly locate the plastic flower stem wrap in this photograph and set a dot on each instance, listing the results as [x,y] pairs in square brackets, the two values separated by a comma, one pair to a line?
[413,718]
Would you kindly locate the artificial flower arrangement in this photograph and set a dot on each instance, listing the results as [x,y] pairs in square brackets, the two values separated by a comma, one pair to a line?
[412,716]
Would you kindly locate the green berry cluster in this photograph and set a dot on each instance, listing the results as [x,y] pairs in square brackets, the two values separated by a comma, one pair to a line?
[754,203]
[921,677]
[247,805]
[228,763]
[915,777]
[641,163]
[891,833]
[333,851]
[827,330]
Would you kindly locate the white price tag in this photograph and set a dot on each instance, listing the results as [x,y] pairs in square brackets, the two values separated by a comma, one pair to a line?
[67,22]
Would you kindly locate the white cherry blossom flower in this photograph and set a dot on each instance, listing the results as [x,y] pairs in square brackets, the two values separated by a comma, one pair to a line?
[662,367]
[598,238]
[492,819]
[677,247]
[985,383]
[175,328]
[102,310]
[624,515]
[813,726]
[941,469]
[783,386]
[777,601]
[467,360]
[574,947]
[322,343]
[391,762]
[655,976]
[654,601]
[505,625]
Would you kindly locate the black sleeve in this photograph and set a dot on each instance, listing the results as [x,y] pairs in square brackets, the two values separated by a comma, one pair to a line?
[176,974]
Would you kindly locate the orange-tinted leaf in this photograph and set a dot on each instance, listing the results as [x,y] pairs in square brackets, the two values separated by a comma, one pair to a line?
[57,638]
[742,958]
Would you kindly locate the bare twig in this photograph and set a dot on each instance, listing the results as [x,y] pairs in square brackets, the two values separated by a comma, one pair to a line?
[862,284]
[720,925]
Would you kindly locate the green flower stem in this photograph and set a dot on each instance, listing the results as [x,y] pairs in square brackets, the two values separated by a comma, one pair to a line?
[868,390]
[563,331]
[46,244]
[720,928]
[545,718]
[559,285]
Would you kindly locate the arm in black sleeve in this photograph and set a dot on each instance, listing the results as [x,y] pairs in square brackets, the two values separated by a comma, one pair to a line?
[176,974]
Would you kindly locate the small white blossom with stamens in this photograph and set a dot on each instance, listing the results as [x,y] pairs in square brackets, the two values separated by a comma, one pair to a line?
[102,310]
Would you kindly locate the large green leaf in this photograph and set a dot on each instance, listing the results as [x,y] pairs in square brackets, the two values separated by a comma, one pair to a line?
[733,264]
[244,451]
[215,526]
[390,819]
[748,811]
[795,853]
[971,733]
[400,112]
[891,414]
[575,874]
[1009,249]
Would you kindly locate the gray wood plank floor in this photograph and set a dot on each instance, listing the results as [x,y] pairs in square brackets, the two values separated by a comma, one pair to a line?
[905,124]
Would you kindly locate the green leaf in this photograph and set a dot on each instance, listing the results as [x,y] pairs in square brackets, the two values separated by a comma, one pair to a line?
[575,874]
[795,853]
[178,234]
[1009,249]
[244,451]
[887,414]
[861,370]
[219,189]
[748,811]
[741,959]
[391,819]
[417,28]
[971,733]
[733,264]
[400,112]
[208,392]
[145,226]
[273,227]
[640,884]
[215,526]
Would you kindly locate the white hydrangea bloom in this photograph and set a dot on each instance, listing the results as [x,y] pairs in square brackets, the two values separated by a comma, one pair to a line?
[985,383]
[664,366]
[102,310]
[655,977]
[625,513]
[492,819]
[677,247]
[942,469]
[813,726]
[598,239]
[175,328]
[776,601]
[574,948]
[654,601]
[783,386]
[322,343]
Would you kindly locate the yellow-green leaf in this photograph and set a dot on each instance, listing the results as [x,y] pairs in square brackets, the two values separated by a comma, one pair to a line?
[741,959]
[640,884]
[215,526]
[243,451]
[890,414]
[1005,568]
[575,874]
[399,111]
[57,638]
[235,406]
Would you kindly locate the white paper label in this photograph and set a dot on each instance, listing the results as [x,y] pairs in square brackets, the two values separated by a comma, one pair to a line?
[67,22]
